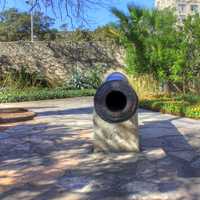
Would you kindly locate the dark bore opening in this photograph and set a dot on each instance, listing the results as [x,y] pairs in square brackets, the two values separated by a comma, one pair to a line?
[116,101]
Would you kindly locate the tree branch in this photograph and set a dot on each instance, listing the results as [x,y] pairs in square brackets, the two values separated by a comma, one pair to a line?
[73,10]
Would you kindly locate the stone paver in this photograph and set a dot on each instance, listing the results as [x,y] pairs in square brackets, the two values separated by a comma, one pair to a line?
[51,157]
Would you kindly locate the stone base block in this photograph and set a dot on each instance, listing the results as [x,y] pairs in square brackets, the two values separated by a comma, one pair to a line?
[117,137]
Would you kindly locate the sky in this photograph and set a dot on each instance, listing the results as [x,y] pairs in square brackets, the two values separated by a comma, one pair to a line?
[97,17]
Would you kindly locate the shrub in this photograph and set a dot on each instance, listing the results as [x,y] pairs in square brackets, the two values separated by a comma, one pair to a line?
[81,79]
[34,94]
[193,111]
[181,105]
[23,78]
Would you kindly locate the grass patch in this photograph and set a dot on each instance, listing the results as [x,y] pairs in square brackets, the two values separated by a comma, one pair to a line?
[181,105]
[34,94]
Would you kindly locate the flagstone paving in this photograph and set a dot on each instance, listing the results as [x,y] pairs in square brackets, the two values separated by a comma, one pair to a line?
[51,157]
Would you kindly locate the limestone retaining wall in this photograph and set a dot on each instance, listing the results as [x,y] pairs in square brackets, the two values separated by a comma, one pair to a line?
[56,60]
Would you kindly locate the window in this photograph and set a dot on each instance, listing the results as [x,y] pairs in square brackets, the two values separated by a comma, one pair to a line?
[194,8]
[182,7]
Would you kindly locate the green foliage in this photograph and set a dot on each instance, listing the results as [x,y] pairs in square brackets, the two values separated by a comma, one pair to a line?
[90,79]
[189,51]
[102,33]
[15,25]
[19,86]
[22,78]
[81,35]
[131,34]
[156,44]
[34,94]
[149,37]
[182,105]
[85,35]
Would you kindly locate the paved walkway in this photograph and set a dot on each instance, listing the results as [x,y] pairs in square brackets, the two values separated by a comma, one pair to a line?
[50,157]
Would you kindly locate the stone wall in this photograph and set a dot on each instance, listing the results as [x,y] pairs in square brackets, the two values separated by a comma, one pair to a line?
[56,60]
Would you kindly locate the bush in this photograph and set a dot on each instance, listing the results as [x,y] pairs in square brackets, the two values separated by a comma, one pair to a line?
[193,111]
[90,79]
[181,105]
[34,94]
[22,78]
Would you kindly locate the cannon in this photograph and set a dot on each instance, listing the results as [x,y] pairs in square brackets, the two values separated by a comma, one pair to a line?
[115,116]
[116,101]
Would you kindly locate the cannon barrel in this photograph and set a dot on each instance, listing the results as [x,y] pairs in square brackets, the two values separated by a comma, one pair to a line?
[115,100]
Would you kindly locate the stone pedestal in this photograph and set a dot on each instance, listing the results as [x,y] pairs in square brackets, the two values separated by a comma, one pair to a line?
[116,137]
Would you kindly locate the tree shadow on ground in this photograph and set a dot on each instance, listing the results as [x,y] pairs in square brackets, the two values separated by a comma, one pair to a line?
[73,111]
[56,161]
[163,134]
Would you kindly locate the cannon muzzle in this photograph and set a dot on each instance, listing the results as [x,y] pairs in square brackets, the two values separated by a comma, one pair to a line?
[115,100]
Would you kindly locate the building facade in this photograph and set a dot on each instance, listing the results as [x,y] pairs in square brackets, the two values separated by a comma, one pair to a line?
[183,7]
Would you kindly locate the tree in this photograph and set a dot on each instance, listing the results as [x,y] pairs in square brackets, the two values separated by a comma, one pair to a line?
[189,52]
[15,25]
[162,46]
[76,11]
[151,41]
[131,32]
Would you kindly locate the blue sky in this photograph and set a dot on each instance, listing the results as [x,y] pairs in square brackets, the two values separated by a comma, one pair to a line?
[98,17]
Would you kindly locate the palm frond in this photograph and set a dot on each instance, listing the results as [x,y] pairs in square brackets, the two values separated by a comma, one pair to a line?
[122,17]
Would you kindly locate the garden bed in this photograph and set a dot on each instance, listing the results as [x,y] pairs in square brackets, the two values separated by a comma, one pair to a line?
[34,94]
[181,105]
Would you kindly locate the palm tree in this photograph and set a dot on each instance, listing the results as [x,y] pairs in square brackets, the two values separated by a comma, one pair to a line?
[131,30]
